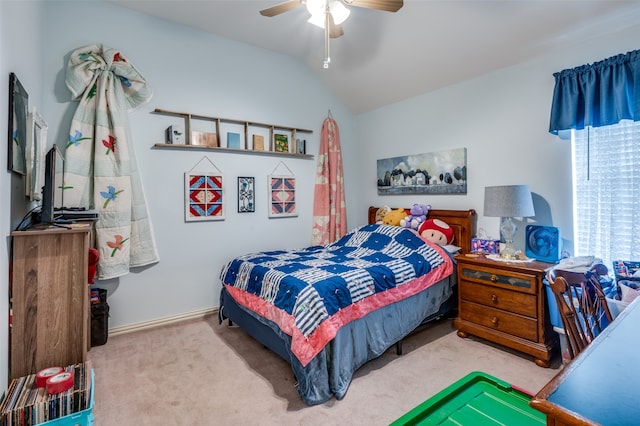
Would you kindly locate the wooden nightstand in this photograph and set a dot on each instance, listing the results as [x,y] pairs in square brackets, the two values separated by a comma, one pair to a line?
[506,304]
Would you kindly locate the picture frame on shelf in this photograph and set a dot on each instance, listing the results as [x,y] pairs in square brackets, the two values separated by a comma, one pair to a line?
[205,139]
[35,155]
[280,142]
[301,146]
[174,135]
[234,140]
[258,142]
[246,194]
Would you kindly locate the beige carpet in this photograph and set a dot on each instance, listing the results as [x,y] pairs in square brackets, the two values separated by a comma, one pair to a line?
[201,373]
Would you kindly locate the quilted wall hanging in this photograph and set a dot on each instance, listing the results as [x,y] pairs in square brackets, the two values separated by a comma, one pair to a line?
[204,192]
[282,192]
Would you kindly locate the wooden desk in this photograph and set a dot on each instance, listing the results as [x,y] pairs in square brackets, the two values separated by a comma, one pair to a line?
[601,385]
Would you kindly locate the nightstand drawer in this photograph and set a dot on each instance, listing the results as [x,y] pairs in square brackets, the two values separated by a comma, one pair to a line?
[496,319]
[500,278]
[495,297]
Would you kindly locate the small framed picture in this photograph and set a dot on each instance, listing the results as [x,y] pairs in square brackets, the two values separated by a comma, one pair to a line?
[301,146]
[246,194]
[280,143]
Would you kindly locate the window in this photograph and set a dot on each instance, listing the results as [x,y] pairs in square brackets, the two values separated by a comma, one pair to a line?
[606,182]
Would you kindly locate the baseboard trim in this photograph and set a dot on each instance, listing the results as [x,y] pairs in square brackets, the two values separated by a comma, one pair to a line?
[162,321]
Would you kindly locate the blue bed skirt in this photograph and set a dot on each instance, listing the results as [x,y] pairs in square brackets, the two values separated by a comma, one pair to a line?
[329,374]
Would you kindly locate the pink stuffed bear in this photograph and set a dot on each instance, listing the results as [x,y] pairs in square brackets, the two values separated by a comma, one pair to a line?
[436,231]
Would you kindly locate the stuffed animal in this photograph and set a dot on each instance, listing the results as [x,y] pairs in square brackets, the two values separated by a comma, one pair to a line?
[381,213]
[394,217]
[94,257]
[436,231]
[416,216]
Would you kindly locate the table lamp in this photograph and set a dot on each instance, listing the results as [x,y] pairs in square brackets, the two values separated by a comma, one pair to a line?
[508,202]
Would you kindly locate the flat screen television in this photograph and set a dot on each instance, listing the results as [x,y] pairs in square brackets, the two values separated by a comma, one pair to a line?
[52,193]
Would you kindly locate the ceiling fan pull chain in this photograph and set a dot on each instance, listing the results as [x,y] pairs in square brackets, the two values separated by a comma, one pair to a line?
[327,58]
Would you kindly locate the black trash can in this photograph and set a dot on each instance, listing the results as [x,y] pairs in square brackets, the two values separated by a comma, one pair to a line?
[99,318]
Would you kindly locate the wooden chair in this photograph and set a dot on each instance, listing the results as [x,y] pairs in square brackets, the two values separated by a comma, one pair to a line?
[582,305]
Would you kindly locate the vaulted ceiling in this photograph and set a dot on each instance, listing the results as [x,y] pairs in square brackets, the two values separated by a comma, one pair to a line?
[386,57]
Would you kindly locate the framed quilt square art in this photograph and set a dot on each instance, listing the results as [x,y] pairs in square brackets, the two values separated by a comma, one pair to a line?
[282,196]
[282,192]
[204,194]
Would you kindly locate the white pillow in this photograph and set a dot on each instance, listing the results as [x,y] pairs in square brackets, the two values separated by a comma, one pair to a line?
[451,248]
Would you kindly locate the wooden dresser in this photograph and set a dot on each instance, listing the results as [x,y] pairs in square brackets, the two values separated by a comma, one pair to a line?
[49,298]
[506,304]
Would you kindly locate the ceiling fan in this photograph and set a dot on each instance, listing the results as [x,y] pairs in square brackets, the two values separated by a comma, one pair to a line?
[330,14]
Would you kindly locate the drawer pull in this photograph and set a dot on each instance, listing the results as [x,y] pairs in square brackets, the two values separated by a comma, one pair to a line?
[493,279]
[494,298]
[494,321]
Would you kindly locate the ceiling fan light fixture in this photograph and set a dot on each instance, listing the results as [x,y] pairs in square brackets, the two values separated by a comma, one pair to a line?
[317,20]
[318,10]
[316,6]
[339,12]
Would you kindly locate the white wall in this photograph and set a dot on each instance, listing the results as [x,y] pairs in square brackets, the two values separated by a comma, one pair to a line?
[502,119]
[192,71]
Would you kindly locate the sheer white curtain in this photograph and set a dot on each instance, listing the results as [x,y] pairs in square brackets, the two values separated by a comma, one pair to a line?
[606,168]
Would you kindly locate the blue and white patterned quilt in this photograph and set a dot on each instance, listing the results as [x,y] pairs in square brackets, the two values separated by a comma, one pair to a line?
[313,291]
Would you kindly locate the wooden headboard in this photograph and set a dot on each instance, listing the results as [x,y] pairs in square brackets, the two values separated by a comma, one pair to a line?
[463,223]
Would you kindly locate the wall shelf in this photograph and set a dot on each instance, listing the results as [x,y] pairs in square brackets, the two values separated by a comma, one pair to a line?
[231,150]
[250,128]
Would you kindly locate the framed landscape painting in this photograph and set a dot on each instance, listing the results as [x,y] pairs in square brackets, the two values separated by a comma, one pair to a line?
[443,172]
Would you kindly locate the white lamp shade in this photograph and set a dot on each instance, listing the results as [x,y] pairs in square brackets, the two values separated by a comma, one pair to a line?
[508,201]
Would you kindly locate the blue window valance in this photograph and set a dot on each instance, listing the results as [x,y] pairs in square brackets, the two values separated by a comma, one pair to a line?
[599,94]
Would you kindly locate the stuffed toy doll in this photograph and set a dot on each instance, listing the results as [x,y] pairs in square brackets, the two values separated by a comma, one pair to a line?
[436,231]
[417,215]
[394,217]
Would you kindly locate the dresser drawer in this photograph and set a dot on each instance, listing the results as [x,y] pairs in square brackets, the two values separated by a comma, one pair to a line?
[496,319]
[500,278]
[496,297]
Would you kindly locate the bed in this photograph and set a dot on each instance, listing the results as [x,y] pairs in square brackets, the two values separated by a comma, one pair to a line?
[363,294]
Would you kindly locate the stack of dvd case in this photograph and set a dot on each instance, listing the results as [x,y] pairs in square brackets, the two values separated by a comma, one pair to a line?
[26,404]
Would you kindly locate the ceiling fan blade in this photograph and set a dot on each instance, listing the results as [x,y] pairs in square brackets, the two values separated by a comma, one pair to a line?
[281,8]
[384,5]
[335,31]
